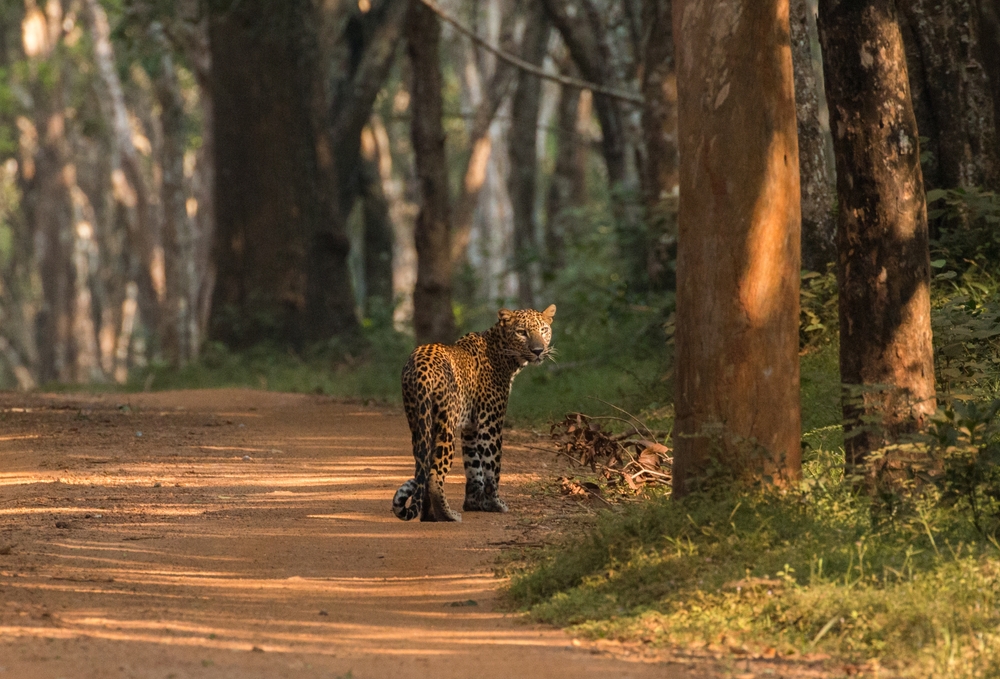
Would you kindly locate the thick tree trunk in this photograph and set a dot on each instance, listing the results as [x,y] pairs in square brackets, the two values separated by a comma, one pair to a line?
[819,228]
[659,126]
[946,56]
[883,269]
[280,254]
[433,319]
[737,393]
[522,147]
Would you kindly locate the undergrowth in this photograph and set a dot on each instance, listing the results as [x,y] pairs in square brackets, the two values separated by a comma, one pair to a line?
[909,582]
[816,568]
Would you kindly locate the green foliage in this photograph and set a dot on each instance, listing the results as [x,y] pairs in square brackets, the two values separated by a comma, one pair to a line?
[966,222]
[818,316]
[966,453]
[966,325]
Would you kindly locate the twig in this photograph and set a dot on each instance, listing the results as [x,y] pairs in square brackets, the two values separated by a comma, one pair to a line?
[632,417]
[531,68]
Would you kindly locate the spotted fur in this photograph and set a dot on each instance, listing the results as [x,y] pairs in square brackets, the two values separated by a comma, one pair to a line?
[460,391]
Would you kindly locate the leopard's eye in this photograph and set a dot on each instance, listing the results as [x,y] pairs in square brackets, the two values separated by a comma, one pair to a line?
[522,333]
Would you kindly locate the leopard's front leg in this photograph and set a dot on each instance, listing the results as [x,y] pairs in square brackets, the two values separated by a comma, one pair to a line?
[482,465]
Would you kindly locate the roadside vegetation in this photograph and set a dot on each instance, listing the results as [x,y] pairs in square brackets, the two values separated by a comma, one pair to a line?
[906,578]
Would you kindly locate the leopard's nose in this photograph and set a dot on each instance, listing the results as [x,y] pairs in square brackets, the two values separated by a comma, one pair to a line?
[537,351]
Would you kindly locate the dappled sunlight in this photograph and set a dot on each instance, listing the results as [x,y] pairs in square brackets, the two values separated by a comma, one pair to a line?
[241,541]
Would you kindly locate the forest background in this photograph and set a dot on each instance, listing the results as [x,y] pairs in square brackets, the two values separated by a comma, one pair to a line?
[291,194]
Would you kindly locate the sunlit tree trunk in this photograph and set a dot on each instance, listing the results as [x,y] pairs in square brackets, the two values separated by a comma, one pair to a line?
[522,145]
[180,320]
[737,390]
[433,320]
[130,185]
[883,268]
[494,93]
[818,185]
[956,102]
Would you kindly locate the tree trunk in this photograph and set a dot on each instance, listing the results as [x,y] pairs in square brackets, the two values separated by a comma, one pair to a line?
[947,57]
[737,393]
[480,142]
[378,238]
[522,147]
[143,228]
[819,228]
[659,126]
[883,268]
[433,320]
[591,55]
[281,271]
[568,185]
[180,334]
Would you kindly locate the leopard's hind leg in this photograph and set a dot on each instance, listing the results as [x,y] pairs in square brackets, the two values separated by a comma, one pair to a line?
[435,503]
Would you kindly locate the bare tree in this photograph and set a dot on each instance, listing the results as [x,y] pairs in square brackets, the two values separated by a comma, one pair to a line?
[737,392]
[883,268]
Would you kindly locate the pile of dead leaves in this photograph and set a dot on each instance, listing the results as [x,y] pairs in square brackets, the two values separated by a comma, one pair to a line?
[632,458]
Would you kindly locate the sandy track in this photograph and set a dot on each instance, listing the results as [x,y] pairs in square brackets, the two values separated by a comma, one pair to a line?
[248,534]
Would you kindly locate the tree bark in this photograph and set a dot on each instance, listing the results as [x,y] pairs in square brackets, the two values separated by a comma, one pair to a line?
[737,393]
[522,147]
[819,228]
[143,228]
[180,325]
[946,55]
[883,268]
[378,237]
[568,185]
[659,126]
[433,319]
[280,253]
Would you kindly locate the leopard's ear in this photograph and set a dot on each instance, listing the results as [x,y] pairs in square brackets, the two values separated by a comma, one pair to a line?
[549,313]
[504,315]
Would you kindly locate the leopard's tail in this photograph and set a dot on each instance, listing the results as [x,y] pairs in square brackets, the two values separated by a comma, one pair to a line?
[412,491]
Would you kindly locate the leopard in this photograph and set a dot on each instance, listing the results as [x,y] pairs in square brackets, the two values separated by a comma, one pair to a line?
[460,391]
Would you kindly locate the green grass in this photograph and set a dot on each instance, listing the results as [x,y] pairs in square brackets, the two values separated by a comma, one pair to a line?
[812,569]
[610,357]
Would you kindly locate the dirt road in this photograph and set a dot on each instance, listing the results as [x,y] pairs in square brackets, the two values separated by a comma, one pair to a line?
[249,534]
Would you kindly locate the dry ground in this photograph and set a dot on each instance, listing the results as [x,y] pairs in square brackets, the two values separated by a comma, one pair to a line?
[248,534]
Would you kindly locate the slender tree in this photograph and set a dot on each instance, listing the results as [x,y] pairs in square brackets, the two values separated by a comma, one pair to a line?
[818,184]
[523,179]
[659,126]
[883,269]
[433,319]
[737,393]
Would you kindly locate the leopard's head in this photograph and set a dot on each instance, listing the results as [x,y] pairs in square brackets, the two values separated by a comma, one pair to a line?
[527,333]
